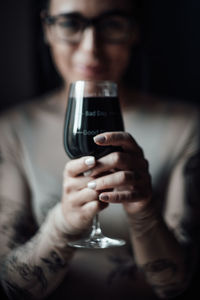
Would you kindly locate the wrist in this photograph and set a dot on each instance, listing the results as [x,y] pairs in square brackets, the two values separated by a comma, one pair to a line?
[55,235]
[61,223]
[144,220]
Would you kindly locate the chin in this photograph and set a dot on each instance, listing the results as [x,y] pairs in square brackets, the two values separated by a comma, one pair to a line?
[89,76]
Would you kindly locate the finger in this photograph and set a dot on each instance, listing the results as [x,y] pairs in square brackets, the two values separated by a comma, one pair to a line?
[82,197]
[81,217]
[122,139]
[73,184]
[79,165]
[129,195]
[90,209]
[119,161]
[141,190]
[117,179]
[117,197]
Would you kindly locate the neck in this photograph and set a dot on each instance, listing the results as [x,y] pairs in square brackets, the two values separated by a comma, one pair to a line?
[126,97]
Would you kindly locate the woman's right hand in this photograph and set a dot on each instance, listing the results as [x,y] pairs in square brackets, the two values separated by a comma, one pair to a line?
[79,203]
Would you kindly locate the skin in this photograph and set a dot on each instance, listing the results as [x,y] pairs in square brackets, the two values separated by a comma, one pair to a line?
[89,59]
[89,189]
[30,265]
[82,200]
[94,59]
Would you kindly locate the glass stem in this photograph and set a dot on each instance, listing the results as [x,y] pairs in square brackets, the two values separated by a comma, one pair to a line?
[96,229]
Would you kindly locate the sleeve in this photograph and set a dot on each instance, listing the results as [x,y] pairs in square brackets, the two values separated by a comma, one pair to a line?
[30,257]
[182,213]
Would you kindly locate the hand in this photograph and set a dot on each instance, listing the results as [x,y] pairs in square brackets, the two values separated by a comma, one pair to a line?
[79,202]
[128,181]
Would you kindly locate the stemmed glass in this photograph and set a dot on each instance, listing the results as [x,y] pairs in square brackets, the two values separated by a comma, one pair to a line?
[93,108]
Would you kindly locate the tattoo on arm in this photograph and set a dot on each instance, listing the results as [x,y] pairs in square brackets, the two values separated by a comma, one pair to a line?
[161,275]
[17,224]
[159,266]
[54,263]
[169,291]
[24,229]
[26,272]
[15,292]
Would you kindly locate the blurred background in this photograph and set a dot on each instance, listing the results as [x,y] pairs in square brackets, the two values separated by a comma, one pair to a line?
[167,63]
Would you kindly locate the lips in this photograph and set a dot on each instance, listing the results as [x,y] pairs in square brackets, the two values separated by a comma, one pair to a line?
[90,70]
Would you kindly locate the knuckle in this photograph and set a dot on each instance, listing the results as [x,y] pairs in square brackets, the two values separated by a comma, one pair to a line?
[116,157]
[66,170]
[93,194]
[109,137]
[117,197]
[67,189]
[67,185]
[122,176]
[117,136]
[103,182]
[129,136]
[125,176]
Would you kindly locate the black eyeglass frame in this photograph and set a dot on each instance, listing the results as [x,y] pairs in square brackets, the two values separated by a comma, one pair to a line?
[88,22]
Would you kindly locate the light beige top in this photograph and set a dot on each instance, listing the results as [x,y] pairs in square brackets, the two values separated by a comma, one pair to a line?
[32,160]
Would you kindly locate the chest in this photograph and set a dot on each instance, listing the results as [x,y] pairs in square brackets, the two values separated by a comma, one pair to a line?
[45,159]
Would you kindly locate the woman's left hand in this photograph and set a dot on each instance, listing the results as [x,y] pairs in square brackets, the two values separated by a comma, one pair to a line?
[122,177]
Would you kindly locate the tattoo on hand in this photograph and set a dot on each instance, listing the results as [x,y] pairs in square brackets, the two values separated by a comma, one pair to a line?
[159,266]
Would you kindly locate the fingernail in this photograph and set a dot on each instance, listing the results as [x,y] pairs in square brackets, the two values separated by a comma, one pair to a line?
[100,139]
[90,161]
[87,173]
[103,197]
[91,185]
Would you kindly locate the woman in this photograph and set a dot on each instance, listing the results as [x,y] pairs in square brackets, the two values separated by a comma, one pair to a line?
[44,207]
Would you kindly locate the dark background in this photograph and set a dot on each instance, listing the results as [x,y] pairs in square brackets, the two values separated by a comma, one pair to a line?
[168,63]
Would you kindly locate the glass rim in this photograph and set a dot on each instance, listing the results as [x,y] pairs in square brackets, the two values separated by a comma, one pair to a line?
[104,88]
[100,82]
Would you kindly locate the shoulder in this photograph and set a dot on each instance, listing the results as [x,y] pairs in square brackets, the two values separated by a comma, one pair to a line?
[176,114]
[173,107]
[18,123]
[29,110]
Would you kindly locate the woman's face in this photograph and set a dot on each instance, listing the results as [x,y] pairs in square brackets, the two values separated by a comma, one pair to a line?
[89,58]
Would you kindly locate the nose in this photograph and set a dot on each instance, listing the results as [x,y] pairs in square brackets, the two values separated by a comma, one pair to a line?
[89,40]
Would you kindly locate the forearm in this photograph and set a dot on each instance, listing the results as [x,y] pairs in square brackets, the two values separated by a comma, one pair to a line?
[36,268]
[158,254]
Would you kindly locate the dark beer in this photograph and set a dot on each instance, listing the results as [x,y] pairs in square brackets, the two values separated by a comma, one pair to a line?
[85,119]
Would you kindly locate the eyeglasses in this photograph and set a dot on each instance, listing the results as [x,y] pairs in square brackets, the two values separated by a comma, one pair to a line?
[110,27]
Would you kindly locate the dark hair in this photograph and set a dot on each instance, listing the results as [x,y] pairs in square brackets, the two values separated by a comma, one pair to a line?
[49,79]
[136,7]
[44,4]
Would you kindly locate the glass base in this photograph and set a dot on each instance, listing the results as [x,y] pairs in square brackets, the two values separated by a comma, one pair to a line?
[97,243]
